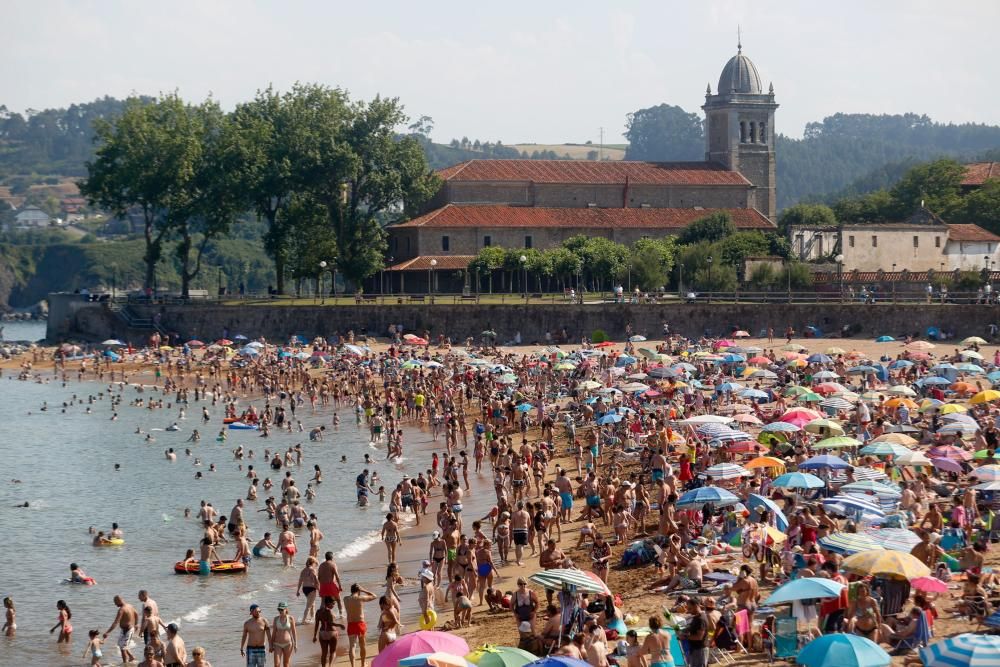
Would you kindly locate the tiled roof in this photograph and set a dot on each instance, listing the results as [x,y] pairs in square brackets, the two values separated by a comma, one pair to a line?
[586,171]
[453,215]
[444,263]
[971,233]
[978,172]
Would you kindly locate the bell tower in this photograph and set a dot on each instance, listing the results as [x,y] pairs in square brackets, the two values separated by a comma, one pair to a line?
[739,128]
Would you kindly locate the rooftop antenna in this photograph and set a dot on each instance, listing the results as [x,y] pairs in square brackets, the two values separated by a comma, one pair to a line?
[739,39]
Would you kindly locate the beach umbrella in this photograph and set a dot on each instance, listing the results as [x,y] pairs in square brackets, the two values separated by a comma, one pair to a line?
[637,339]
[846,544]
[798,480]
[765,462]
[793,347]
[829,388]
[726,471]
[826,375]
[885,563]
[500,656]
[818,358]
[900,363]
[826,427]
[884,339]
[706,419]
[896,539]
[809,397]
[422,641]
[914,459]
[964,388]
[901,390]
[867,485]
[439,659]
[898,402]
[973,340]
[824,461]
[988,486]
[989,473]
[759,361]
[921,345]
[929,585]
[806,588]
[859,370]
[835,350]
[780,520]
[559,661]
[747,418]
[706,495]
[562,577]
[755,394]
[803,415]
[842,650]
[848,504]
[985,396]
[224,342]
[970,354]
[610,418]
[741,334]
[971,369]
[780,427]
[413,339]
[662,373]
[114,342]
[949,452]
[958,428]
[885,449]
[965,650]
[634,387]
[948,465]
[837,442]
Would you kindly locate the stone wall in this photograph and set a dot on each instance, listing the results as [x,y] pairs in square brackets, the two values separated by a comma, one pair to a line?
[207,322]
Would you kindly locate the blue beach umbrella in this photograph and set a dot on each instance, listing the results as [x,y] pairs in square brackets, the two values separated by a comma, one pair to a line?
[934,379]
[525,407]
[806,588]
[824,461]
[798,480]
[819,358]
[558,661]
[884,339]
[763,501]
[842,650]
[966,649]
[781,427]
[610,418]
[707,495]
[847,544]
[728,387]
[901,363]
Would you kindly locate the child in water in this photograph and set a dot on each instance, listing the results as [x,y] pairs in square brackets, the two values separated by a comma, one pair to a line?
[93,648]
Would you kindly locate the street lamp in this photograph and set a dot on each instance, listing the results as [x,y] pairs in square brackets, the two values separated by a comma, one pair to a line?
[710,285]
[319,282]
[840,273]
[430,276]
[524,273]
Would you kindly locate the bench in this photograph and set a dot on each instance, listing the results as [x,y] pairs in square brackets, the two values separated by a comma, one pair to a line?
[416,299]
[470,297]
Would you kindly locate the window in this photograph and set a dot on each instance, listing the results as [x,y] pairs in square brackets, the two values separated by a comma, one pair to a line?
[874,241]
[850,241]
[407,244]
[487,241]
[937,241]
[445,243]
[916,241]
[527,241]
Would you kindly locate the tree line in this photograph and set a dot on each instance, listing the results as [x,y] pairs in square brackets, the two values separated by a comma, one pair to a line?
[708,255]
[325,173]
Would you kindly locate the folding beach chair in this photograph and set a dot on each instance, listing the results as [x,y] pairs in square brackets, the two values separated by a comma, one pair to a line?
[786,637]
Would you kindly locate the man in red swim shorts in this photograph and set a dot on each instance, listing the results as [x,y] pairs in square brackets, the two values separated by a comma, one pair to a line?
[354,605]
[329,580]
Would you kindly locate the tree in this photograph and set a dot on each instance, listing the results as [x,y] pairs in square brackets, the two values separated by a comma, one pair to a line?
[651,261]
[935,185]
[718,278]
[764,276]
[795,274]
[736,248]
[806,214]
[982,206]
[710,228]
[664,133]
[872,207]
[142,158]
[487,261]
[314,240]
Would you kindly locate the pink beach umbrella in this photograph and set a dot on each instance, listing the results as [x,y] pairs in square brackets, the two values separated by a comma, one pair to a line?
[949,452]
[929,585]
[423,641]
[948,465]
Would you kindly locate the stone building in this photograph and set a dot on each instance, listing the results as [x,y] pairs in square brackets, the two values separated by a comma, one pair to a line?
[921,242]
[541,203]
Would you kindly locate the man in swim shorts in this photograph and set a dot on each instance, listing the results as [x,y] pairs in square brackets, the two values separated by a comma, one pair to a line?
[329,580]
[256,636]
[126,619]
[354,606]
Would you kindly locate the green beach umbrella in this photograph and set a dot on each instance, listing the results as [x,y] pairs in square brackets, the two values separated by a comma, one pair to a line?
[500,656]
[837,442]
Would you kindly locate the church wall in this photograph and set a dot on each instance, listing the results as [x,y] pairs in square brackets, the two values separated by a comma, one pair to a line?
[480,192]
[569,195]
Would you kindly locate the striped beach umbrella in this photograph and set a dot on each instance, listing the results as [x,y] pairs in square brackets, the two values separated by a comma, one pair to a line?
[847,544]
[860,474]
[780,427]
[894,539]
[707,495]
[837,442]
[886,563]
[846,503]
[990,473]
[965,650]
[885,449]
[726,471]
[563,577]
[870,486]
[836,403]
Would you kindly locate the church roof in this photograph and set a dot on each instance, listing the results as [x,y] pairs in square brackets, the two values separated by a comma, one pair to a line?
[456,216]
[978,172]
[740,76]
[591,172]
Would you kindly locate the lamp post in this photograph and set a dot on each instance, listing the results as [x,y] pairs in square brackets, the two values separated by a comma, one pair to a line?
[894,283]
[711,286]
[524,274]
[319,282]
[840,274]
[430,276]
[387,288]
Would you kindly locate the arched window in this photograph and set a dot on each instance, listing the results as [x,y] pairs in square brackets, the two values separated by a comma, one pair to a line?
[762,133]
[743,132]
[753,132]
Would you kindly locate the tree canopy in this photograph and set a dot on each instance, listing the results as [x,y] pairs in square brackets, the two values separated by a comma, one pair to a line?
[664,133]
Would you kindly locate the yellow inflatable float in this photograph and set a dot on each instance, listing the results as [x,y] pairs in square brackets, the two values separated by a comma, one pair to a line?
[429,620]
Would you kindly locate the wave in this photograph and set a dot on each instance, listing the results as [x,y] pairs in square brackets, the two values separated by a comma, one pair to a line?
[360,545]
[195,616]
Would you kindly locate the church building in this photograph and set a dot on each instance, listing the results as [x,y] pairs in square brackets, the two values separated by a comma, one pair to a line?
[541,203]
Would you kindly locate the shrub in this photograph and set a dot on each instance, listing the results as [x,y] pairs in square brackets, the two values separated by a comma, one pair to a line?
[598,336]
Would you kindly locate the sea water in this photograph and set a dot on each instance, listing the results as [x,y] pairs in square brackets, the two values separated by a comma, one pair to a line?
[64,461]
[23,330]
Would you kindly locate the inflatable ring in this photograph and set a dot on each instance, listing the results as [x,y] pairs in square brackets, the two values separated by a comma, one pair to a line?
[113,542]
[428,620]
[217,567]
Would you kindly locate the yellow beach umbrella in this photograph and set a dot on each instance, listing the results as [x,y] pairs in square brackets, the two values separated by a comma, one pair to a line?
[985,396]
[765,462]
[899,402]
[896,439]
[950,408]
[885,563]
[824,427]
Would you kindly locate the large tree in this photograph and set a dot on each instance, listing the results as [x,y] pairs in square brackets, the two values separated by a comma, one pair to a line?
[982,206]
[935,185]
[711,228]
[806,214]
[664,133]
[143,158]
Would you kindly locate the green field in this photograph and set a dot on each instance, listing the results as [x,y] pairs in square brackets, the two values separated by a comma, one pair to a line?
[576,151]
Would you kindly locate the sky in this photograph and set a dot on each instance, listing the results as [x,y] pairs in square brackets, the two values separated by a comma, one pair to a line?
[545,71]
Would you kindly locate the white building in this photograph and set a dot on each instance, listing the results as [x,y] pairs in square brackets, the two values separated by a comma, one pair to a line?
[31,217]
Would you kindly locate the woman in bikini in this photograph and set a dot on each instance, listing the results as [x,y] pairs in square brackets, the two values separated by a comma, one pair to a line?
[392,579]
[63,624]
[864,614]
[283,638]
[657,645]
[388,623]
[484,567]
[10,617]
[308,585]
[390,535]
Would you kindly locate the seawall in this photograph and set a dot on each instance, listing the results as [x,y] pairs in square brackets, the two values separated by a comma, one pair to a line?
[73,319]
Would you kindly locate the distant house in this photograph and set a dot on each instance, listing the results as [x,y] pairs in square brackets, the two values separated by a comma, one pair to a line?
[31,217]
[977,173]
